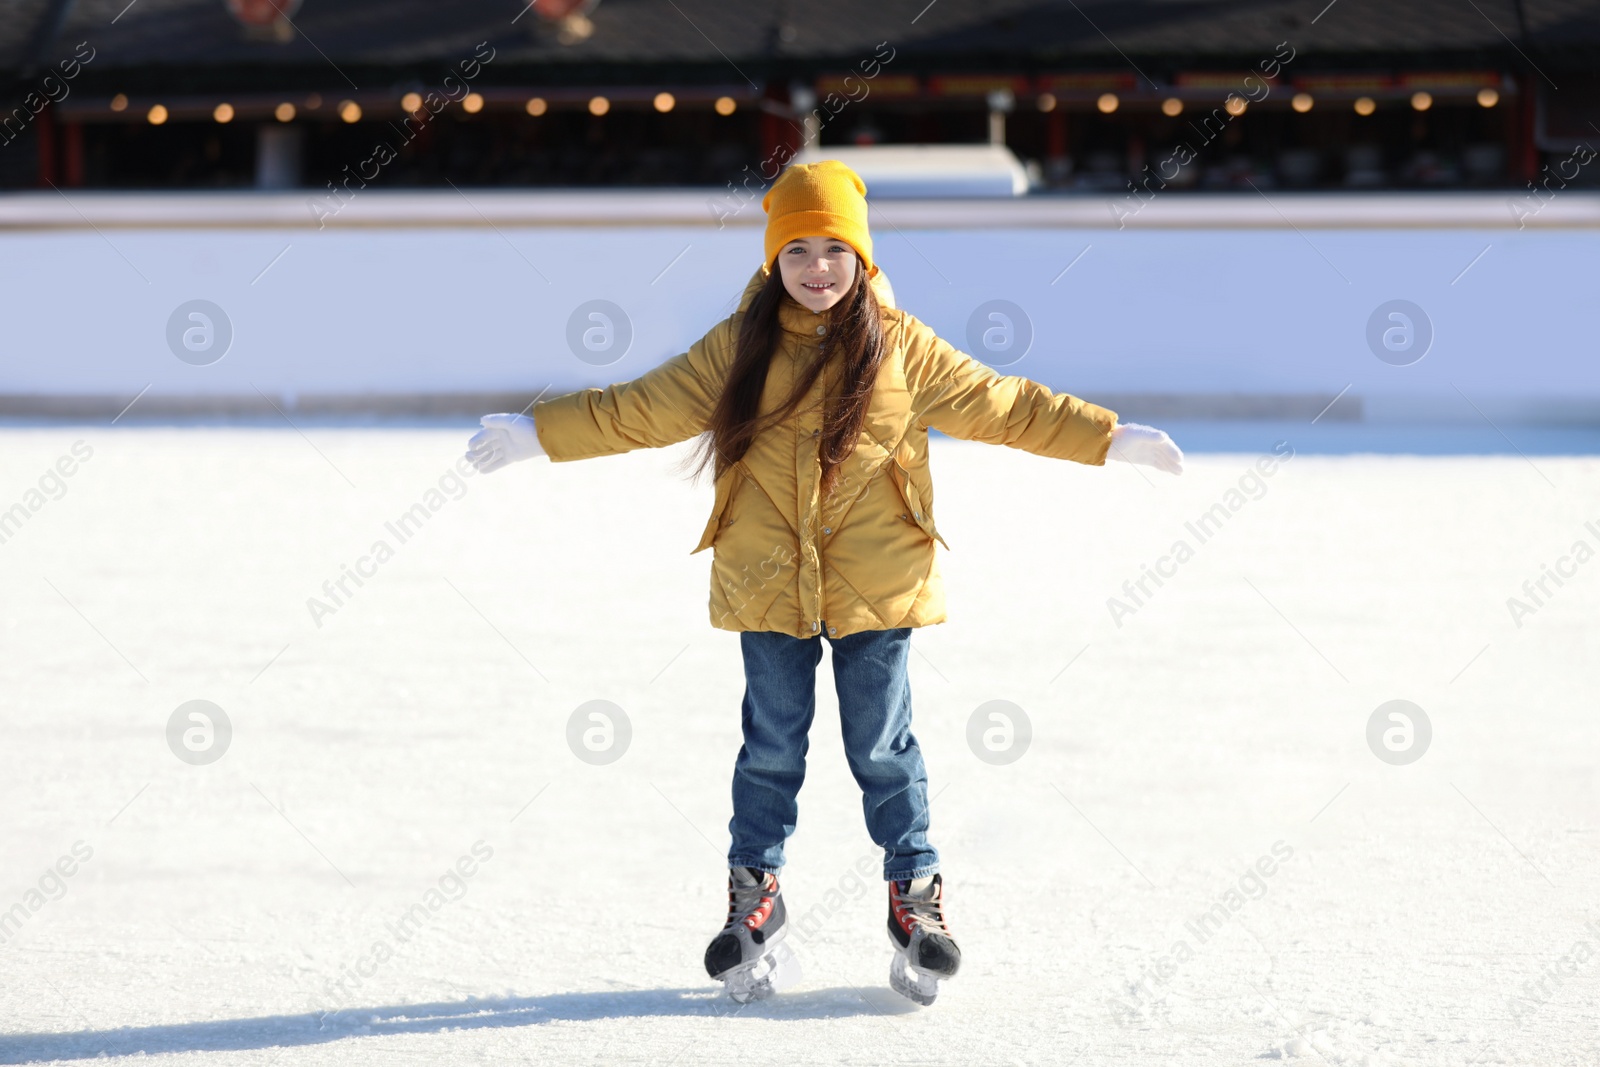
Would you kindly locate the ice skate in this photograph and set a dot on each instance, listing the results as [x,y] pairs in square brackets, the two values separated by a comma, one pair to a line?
[925,953]
[749,957]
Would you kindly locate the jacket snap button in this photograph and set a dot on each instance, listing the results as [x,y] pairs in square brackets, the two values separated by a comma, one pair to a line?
[816,433]
[832,630]
[919,516]
[821,330]
[827,529]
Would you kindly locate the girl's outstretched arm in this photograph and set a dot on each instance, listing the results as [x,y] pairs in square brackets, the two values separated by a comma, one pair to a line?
[665,405]
[958,395]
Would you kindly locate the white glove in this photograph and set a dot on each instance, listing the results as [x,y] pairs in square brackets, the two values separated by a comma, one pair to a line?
[1146,445]
[504,439]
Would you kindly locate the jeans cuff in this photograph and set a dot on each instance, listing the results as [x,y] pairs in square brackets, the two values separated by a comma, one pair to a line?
[755,865]
[915,872]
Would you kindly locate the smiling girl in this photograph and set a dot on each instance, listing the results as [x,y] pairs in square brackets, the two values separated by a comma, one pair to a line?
[813,404]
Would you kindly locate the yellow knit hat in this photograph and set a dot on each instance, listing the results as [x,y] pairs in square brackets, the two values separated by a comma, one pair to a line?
[824,199]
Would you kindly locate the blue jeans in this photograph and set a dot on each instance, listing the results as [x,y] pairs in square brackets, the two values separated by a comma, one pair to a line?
[780,698]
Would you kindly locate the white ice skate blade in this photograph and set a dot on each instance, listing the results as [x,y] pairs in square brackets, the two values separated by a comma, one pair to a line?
[775,970]
[911,983]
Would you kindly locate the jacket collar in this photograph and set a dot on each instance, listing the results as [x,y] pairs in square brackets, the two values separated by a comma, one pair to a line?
[802,322]
[792,318]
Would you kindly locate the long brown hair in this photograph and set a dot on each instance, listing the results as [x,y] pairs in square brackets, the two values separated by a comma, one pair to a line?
[855,341]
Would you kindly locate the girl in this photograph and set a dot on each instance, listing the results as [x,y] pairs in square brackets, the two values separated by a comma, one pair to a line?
[813,403]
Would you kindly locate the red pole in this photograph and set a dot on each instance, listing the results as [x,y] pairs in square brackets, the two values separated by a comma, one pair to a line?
[72,153]
[47,147]
[1527,127]
[777,131]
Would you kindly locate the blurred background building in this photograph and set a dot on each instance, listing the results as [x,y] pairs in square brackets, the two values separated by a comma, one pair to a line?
[1090,95]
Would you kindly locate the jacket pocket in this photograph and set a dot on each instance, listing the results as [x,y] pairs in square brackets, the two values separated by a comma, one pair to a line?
[916,513]
[727,487]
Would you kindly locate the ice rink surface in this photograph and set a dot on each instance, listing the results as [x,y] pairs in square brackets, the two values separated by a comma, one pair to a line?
[305,898]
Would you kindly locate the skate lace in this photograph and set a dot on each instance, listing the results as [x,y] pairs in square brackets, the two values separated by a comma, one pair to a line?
[928,914]
[743,903]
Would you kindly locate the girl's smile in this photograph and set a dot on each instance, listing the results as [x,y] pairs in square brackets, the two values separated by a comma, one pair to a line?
[817,271]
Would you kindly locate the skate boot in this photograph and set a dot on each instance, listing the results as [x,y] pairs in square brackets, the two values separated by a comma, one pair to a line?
[925,953]
[749,956]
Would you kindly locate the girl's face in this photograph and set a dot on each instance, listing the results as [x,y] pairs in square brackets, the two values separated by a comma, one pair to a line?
[817,271]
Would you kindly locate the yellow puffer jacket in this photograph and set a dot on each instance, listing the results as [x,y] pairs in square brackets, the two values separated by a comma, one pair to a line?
[864,559]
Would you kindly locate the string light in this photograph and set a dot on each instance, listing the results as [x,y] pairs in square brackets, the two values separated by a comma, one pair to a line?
[1365,106]
[157,115]
[665,102]
[1302,102]
[599,105]
[284,112]
[725,105]
[1107,103]
[1172,107]
[223,112]
[536,106]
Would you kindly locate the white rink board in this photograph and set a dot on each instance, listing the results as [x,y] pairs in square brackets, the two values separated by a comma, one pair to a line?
[1144,310]
[1169,757]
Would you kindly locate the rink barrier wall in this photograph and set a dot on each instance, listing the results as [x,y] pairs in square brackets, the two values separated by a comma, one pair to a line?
[313,209]
[420,305]
[1130,407]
